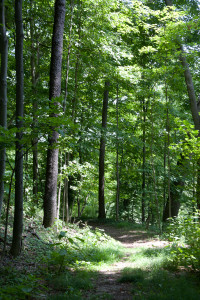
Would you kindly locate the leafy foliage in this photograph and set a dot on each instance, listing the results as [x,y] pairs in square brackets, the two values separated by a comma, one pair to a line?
[184,233]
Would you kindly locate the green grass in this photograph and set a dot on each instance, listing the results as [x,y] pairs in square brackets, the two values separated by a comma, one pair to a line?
[150,257]
[71,284]
[64,264]
[160,284]
[152,277]
[80,250]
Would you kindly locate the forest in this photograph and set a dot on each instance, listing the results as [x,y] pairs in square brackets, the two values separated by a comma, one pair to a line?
[99,139]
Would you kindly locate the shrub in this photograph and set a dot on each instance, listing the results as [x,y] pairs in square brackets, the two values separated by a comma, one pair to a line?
[184,233]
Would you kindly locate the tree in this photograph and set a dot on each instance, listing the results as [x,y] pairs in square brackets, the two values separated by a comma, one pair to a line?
[193,102]
[117,157]
[137,47]
[34,78]
[18,215]
[3,95]
[102,213]
[50,197]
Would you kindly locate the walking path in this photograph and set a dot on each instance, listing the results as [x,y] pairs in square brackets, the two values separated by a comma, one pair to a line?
[107,285]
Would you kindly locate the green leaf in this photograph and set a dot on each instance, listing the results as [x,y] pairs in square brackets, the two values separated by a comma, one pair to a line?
[62,235]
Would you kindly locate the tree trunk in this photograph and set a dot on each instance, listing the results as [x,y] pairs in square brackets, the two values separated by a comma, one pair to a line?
[18,215]
[193,105]
[66,191]
[168,159]
[144,163]
[59,190]
[102,213]
[154,175]
[74,100]
[68,55]
[58,203]
[34,77]
[191,91]
[66,155]
[3,95]
[50,197]
[117,157]
[198,184]
[174,203]
[164,172]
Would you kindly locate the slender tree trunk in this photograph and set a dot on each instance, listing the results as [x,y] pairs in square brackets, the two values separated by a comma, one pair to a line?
[102,213]
[168,205]
[7,211]
[50,197]
[68,56]
[66,155]
[195,113]
[168,157]
[68,194]
[66,201]
[144,162]
[79,207]
[34,77]
[198,184]
[154,175]
[18,215]
[58,203]
[191,91]
[117,157]
[63,206]
[164,171]
[66,191]
[84,205]
[74,100]
[3,95]
[172,205]
[59,190]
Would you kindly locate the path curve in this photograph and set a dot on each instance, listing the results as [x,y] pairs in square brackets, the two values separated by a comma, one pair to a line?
[107,285]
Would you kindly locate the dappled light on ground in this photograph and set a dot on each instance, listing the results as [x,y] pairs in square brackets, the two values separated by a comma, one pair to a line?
[140,273]
[133,238]
[96,262]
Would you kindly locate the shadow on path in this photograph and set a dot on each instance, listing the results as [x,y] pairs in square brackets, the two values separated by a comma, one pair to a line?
[107,285]
[132,238]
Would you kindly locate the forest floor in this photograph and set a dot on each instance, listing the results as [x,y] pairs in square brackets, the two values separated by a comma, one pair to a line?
[108,285]
[110,261]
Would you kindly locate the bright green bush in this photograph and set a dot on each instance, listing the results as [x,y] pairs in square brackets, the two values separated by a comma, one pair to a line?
[184,233]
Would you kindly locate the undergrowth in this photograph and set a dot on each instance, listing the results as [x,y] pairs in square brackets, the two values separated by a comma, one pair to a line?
[63,263]
[57,262]
[153,277]
[184,234]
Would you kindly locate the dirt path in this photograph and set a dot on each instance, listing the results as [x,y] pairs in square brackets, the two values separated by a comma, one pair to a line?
[107,285]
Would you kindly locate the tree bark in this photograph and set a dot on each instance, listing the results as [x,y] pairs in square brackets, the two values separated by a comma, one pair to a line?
[34,78]
[66,191]
[198,184]
[168,160]
[50,197]
[176,188]
[117,157]
[144,162]
[3,95]
[18,215]
[68,55]
[102,213]
[191,90]
[154,174]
